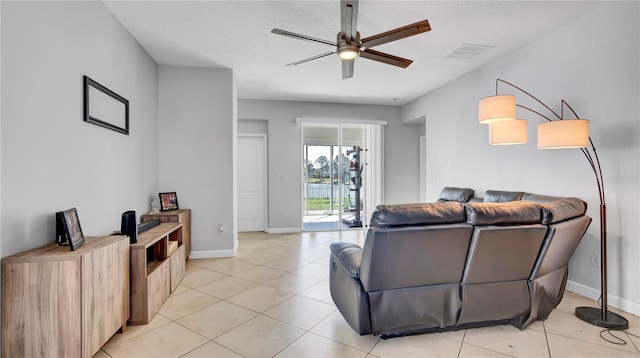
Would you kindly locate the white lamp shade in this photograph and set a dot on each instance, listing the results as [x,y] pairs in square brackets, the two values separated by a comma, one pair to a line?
[566,133]
[497,108]
[508,132]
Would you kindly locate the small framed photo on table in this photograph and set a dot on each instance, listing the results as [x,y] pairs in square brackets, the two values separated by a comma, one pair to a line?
[168,201]
[68,229]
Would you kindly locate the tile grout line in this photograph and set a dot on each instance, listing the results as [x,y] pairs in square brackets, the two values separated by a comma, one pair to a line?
[257,315]
[307,331]
[546,338]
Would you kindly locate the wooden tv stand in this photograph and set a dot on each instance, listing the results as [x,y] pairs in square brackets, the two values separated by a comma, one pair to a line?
[157,267]
[62,303]
[175,216]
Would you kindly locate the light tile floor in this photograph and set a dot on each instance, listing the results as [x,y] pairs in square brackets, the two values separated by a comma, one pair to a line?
[272,300]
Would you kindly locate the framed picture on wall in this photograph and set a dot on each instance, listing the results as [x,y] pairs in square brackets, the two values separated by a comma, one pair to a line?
[68,229]
[105,108]
[168,201]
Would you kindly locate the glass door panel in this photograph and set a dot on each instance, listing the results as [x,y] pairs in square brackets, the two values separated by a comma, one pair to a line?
[321,209]
[353,147]
[333,163]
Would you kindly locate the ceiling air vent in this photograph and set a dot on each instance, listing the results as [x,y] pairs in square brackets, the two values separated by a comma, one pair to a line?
[468,51]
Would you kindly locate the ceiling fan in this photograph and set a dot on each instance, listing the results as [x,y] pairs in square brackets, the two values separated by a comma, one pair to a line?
[349,45]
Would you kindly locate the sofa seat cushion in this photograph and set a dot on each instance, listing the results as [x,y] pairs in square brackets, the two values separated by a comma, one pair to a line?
[507,213]
[418,214]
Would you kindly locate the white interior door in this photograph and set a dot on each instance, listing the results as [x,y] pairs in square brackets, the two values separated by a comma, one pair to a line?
[252,159]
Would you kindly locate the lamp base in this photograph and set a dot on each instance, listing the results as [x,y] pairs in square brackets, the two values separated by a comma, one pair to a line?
[594,316]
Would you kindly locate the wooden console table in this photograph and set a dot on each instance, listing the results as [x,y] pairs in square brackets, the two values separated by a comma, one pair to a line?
[157,267]
[62,303]
[176,216]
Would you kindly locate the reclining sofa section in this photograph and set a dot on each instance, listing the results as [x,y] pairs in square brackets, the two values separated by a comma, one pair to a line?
[451,265]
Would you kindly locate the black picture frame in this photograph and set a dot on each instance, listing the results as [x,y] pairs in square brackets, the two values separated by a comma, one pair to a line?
[105,108]
[68,229]
[168,201]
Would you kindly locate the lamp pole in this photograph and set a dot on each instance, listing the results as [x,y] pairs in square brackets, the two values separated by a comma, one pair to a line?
[597,316]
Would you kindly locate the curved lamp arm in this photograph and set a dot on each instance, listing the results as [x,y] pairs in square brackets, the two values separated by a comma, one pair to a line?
[596,316]
[594,163]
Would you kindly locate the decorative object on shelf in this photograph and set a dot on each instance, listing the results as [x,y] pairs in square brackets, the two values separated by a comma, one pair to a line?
[68,230]
[557,133]
[128,226]
[168,201]
[146,225]
[155,206]
[105,108]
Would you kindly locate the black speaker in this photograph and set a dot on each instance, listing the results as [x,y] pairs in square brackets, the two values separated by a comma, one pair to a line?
[129,226]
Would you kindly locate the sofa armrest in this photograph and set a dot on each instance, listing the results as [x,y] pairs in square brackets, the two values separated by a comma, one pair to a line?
[347,255]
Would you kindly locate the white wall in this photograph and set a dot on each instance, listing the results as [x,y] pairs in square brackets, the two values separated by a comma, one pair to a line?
[51,159]
[197,124]
[253,126]
[596,70]
[401,175]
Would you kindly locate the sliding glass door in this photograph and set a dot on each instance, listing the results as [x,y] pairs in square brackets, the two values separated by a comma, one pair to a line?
[335,175]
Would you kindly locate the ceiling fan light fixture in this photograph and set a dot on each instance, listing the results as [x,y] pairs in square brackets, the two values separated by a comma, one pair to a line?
[348,52]
[348,44]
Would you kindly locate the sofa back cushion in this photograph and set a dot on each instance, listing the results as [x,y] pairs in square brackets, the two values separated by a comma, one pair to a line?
[461,195]
[508,213]
[413,256]
[418,214]
[560,243]
[537,198]
[503,253]
[501,196]
[556,209]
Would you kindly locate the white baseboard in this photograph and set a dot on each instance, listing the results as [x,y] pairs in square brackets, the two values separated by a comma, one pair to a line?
[613,301]
[284,230]
[212,254]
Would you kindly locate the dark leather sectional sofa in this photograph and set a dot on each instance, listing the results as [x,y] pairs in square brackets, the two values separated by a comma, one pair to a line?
[458,263]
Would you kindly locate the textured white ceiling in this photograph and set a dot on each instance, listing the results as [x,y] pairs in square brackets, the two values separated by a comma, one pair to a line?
[236,35]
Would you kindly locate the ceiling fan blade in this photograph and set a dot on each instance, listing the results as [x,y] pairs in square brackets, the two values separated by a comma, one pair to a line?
[396,34]
[347,69]
[302,37]
[349,18]
[385,58]
[311,59]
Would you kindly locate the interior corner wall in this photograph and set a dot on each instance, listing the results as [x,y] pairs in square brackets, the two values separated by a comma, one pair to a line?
[234,163]
[0,150]
[596,70]
[197,135]
[401,152]
[51,159]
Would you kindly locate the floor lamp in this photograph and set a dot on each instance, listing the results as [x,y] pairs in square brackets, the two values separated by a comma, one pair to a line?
[499,112]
